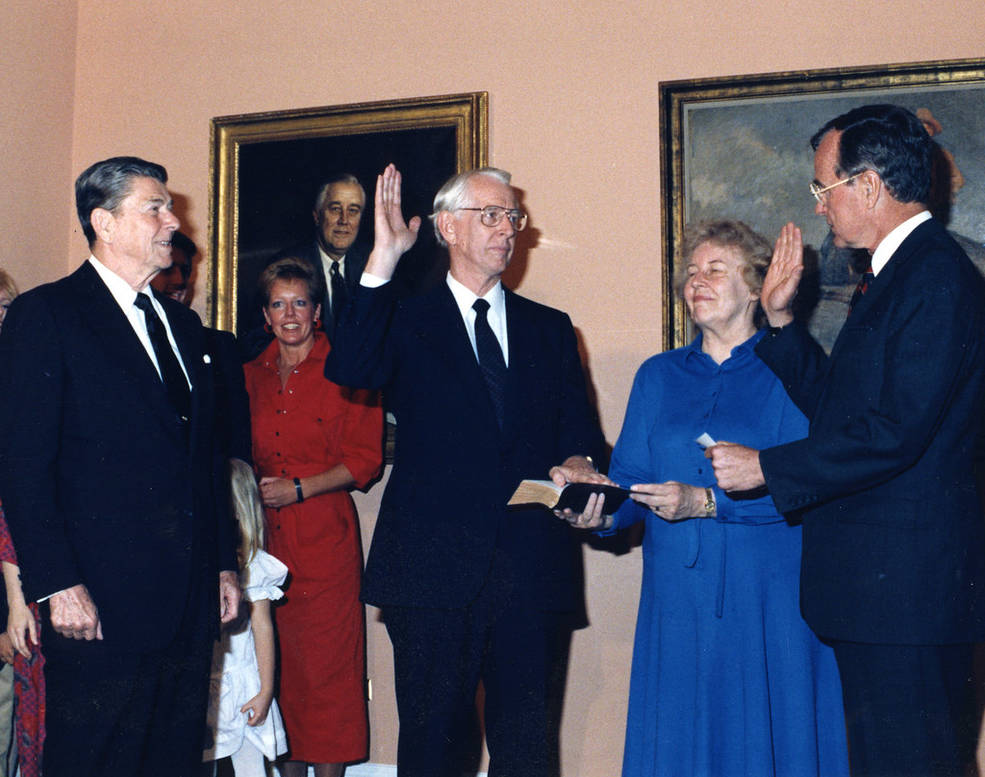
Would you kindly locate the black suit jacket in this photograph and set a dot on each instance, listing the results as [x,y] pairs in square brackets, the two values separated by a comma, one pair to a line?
[98,482]
[444,509]
[893,549]
[232,402]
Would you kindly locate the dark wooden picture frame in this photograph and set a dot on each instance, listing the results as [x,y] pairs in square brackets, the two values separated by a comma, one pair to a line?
[738,147]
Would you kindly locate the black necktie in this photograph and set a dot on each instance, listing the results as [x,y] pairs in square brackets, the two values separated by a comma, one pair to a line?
[491,360]
[174,379]
[339,292]
[863,286]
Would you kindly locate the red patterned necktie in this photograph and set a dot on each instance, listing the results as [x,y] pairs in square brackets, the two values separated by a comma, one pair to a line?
[861,288]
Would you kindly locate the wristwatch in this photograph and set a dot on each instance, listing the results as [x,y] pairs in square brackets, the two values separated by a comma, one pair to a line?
[709,503]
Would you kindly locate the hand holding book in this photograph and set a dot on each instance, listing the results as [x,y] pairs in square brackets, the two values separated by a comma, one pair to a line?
[577,476]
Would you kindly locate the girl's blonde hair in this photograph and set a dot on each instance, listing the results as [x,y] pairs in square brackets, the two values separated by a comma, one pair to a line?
[7,284]
[248,512]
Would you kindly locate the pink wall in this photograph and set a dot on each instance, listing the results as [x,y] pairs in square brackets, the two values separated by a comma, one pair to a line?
[573,113]
[37,88]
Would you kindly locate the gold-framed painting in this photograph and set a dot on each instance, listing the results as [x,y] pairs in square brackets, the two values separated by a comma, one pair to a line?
[266,168]
[738,147]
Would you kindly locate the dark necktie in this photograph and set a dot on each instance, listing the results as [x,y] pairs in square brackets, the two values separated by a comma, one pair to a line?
[861,288]
[340,293]
[491,360]
[171,373]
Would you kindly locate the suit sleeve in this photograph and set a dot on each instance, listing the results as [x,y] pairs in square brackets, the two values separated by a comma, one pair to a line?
[579,428]
[232,401]
[32,383]
[361,356]
[896,384]
[798,361]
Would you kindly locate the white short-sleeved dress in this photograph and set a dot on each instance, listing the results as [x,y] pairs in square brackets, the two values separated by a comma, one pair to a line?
[236,676]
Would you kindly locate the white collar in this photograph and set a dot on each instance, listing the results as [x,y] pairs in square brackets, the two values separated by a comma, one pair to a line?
[122,292]
[885,250]
[465,297]
[327,262]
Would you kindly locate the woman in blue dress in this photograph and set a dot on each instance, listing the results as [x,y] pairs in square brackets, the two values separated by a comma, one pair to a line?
[727,679]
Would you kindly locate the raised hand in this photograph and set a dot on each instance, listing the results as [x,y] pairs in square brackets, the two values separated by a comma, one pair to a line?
[783,276]
[393,236]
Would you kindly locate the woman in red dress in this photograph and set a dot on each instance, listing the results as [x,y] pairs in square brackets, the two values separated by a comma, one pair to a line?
[313,441]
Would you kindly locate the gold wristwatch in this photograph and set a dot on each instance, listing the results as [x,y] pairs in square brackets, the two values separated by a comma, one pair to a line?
[709,502]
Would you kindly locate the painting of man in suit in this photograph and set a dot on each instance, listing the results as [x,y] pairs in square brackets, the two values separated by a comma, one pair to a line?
[333,252]
[114,490]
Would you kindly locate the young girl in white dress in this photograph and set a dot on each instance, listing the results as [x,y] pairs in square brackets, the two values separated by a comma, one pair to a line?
[243,714]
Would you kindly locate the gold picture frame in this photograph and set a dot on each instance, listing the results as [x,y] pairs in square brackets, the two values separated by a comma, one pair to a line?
[262,166]
[738,147]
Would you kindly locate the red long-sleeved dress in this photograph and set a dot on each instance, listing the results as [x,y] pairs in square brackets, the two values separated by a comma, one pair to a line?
[305,428]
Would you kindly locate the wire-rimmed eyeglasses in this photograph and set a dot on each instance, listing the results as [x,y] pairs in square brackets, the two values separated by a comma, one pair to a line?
[491,215]
[817,190]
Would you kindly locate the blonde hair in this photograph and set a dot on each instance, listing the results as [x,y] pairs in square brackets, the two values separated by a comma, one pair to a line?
[248,512]
[7,284]
[754,249]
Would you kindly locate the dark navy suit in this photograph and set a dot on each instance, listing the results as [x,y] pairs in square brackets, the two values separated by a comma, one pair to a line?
[894,542]
[445,543]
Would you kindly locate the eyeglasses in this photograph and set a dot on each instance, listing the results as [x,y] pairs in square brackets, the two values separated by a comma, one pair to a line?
[491,215]
[817,190]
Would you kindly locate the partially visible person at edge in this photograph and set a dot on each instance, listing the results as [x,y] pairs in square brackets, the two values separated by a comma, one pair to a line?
[8,290]
[893,572]
[313,441]
[21,679]
[20,649]
[487,389]
[727,678]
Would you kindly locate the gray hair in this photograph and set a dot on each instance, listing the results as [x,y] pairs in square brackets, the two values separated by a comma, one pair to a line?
[329,182]
[755,250]
[454,193]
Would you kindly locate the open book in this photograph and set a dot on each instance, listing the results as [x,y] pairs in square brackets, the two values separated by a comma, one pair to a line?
[573,495]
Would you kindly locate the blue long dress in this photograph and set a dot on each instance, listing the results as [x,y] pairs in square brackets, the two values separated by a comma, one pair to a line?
[727,679]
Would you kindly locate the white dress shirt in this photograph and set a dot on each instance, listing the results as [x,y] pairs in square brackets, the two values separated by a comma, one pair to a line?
[496,314]
[326,263]
[885,250]
[465,298]
[125,296]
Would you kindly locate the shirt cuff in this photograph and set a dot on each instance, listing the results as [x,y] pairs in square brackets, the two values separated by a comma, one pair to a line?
[372,281]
